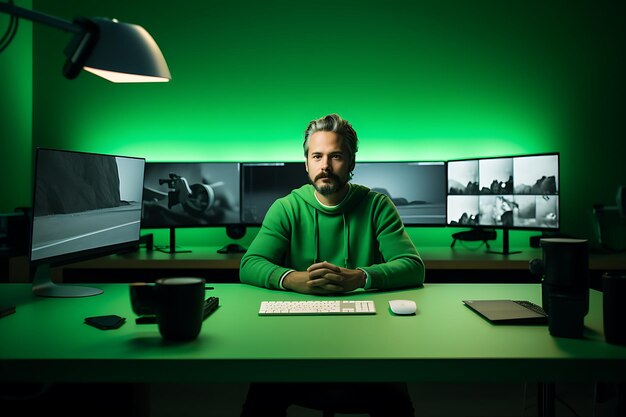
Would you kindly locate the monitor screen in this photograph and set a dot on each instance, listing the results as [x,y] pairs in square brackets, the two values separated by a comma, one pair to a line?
[512,192]
[264,182]
[84,205]
[418,189]
[190,194]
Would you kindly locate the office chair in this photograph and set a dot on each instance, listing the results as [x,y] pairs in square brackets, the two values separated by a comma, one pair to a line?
[330,409]
[329,398]
[350,399]
[331,413]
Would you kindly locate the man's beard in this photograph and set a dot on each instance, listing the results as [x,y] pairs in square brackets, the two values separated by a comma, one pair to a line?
[328,189]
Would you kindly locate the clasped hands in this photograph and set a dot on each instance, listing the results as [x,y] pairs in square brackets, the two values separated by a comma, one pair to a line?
[324,278]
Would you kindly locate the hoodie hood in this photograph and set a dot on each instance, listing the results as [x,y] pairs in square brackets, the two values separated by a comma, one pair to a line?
[355,195]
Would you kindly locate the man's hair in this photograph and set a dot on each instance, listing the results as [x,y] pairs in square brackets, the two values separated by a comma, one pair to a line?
[333,123]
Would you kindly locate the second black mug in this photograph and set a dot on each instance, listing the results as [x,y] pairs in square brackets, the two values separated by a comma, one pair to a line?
[177,303]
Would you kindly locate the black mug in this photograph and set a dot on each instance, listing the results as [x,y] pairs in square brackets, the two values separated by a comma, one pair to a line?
[177,303]
[613,306]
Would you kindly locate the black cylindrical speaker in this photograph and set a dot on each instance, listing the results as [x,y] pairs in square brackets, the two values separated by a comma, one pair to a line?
[565,279]
[566,262]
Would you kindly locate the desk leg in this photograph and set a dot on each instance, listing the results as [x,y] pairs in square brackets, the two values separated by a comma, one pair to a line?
[545,399]
[141,400]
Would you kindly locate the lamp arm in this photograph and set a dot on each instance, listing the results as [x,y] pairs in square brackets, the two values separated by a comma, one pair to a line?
[38,17]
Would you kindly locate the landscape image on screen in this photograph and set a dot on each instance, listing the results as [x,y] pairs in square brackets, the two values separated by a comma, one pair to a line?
[84,201]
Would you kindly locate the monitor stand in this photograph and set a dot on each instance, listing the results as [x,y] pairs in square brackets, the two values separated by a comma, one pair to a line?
[43,286]
[505,244]
[172,246]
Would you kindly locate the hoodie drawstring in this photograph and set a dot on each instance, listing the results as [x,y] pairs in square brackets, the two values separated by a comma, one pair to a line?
[346,239]
[346,236]
[317,238]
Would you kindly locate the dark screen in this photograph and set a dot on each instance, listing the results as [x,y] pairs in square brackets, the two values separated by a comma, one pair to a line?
[263,183]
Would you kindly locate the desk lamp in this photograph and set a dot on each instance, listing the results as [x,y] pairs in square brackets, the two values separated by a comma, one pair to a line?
[119,52]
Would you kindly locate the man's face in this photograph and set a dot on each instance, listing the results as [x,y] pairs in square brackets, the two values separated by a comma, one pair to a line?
[328,164]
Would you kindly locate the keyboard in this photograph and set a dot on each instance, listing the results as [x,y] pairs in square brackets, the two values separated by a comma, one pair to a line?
[531,306]
[317,307]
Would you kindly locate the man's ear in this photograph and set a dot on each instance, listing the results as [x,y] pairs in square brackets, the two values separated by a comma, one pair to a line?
[306,165]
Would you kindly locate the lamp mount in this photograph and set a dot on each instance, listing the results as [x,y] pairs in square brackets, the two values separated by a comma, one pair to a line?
[39,17]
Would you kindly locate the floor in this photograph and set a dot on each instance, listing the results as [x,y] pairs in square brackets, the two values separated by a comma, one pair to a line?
[224,400]
[430,400]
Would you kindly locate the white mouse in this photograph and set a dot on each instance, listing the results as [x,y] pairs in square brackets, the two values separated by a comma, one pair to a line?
[402,307]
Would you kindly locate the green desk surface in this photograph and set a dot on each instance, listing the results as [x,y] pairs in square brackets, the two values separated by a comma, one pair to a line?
[46,340]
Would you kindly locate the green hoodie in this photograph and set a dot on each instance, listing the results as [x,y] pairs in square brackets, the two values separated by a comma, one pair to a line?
[363,231]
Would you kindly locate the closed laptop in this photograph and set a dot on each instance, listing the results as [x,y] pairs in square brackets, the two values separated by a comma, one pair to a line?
[508,311]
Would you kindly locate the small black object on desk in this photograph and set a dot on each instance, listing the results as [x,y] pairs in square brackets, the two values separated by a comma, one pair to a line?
[5,310]
[474,235]
[210,305]
[232,248]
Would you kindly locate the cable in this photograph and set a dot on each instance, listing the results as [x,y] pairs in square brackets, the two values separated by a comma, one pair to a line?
[524,393]
[10,33]
[23,391]
[566,405]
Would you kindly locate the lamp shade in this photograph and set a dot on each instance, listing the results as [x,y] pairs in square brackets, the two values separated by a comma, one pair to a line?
[119,52]
[125,53]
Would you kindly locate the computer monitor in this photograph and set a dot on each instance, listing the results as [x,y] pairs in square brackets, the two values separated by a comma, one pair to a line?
[509,193]
[190,194]
[418,189]
[264,182]
[85,205]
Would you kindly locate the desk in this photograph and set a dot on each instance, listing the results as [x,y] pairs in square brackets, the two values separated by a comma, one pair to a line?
[46,340]
[206,257]
[443,264]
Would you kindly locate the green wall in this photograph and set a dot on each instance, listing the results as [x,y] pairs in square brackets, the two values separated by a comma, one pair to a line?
[16,103]
[418,80]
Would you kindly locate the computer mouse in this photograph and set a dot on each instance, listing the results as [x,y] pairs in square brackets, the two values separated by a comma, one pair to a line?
[402,307]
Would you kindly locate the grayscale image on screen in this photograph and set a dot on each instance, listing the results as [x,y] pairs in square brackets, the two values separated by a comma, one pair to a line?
[418,189]
[84,201]
[507,192]
[190,194]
